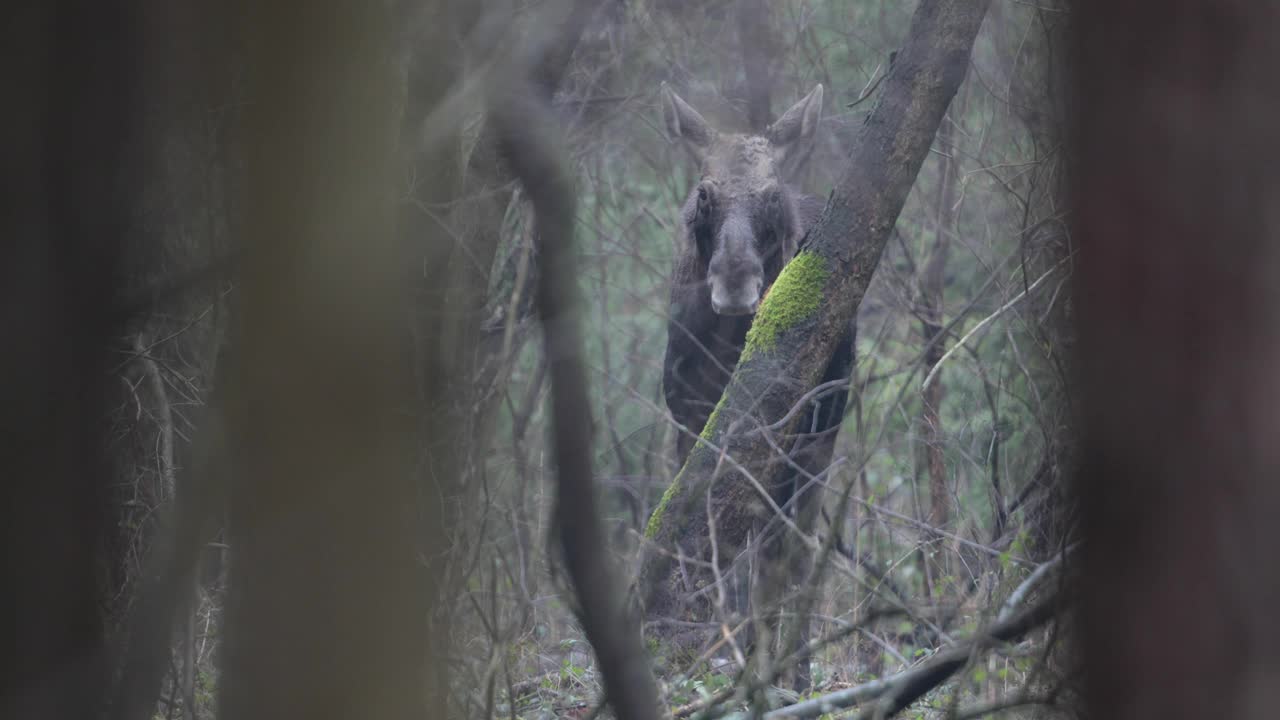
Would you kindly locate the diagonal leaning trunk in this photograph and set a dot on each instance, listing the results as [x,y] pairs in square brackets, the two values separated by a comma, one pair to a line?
[807,311]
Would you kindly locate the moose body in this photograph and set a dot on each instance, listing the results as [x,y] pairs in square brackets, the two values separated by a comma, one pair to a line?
[740,225]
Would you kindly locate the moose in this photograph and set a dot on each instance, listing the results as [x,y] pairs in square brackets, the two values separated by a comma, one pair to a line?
[741,224]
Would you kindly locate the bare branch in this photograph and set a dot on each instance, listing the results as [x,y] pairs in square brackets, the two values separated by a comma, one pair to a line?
[529,141]
[987,320]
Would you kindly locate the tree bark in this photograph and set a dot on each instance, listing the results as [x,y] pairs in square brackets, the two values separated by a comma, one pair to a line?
[1179,346]
[328,600]
[810,307]
[70,118]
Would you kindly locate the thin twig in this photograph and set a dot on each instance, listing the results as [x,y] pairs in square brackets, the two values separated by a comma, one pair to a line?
[985,321]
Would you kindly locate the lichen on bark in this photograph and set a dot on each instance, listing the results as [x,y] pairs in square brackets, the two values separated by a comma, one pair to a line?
[794,297]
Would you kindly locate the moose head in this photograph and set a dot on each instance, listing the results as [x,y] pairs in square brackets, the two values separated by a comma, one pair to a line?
[741,218]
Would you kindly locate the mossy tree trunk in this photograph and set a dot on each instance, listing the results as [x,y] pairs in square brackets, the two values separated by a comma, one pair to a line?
[807,313]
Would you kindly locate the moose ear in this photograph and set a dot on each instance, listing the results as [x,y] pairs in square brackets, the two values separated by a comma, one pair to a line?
[683,122]
[801,121]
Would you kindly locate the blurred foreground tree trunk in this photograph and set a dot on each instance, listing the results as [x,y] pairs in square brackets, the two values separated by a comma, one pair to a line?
[1179,310]
[328,601]
[70,112]
[176,268]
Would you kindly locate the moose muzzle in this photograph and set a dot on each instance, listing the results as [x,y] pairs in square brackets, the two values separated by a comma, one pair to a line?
[735,273]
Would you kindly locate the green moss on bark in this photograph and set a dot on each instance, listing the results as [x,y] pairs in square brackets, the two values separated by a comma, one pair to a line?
[655,520]
[794,297]
[710,427]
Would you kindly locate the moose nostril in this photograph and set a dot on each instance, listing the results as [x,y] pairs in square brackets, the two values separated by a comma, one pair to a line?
[748,267]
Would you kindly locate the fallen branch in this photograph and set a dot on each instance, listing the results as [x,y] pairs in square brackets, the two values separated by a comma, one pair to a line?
[1020,593]
[898,691]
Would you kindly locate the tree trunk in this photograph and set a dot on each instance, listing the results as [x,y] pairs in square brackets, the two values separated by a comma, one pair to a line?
[809,309]
[328,600]
[1180,345]
[71,78]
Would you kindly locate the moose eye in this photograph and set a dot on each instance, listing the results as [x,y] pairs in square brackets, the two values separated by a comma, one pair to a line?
[704,201]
